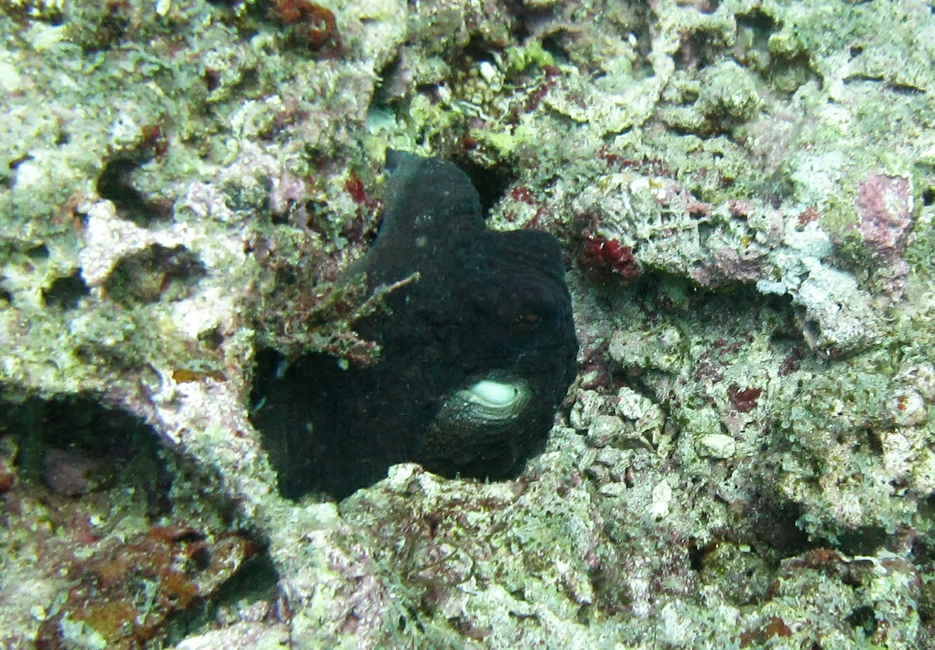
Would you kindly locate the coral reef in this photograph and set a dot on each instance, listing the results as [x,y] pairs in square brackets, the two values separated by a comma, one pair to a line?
[744,194]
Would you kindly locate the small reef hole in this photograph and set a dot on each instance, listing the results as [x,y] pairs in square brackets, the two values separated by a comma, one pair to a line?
[154,274]
[65,293]
[491,182]
[115,182]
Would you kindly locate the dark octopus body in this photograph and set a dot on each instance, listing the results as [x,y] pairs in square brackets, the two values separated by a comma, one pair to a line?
[476,354]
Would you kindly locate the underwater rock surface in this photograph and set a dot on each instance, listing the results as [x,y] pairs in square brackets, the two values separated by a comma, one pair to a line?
[477,350]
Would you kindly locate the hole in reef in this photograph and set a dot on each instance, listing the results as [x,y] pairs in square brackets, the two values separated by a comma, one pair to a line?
[773,525]
[66,292]
[156,273]
[75,446]
[388,91]
[491,182]
[38,253]
[115,183]
[554,44]
[926,509]
[282,410]
[867,540]
[698,49]
[211,338]
[256,580]
[761,22]
[696,554]
[863,617]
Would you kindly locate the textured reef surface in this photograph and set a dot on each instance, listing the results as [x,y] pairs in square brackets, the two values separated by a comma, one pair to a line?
[476,349]
[743,196]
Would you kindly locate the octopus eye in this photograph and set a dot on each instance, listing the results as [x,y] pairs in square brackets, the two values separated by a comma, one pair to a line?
[492,393]
[487,403]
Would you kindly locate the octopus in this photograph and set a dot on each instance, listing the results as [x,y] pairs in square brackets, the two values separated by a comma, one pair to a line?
[476,352]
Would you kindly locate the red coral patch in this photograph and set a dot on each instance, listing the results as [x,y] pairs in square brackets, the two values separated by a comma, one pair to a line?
[601,253]
[745,399]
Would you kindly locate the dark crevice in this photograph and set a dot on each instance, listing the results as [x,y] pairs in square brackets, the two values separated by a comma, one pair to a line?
[867,540]
[491,182]
[759,21]
[37,253]
[773,524]
[864,618]
[387,91]
[154,274]
[256,580]
[554,44]
[905,89]
[75,446]
[66,292]
[116,184]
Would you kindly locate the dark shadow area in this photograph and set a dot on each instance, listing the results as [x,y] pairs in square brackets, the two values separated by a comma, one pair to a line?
[75,446]
[37,253]
[491,182]
[866,540]
[66,292]
[256,580]
[116,184]
[115,181]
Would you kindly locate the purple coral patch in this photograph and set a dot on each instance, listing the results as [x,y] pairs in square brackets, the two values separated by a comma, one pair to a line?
[884,205]
[71,473]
